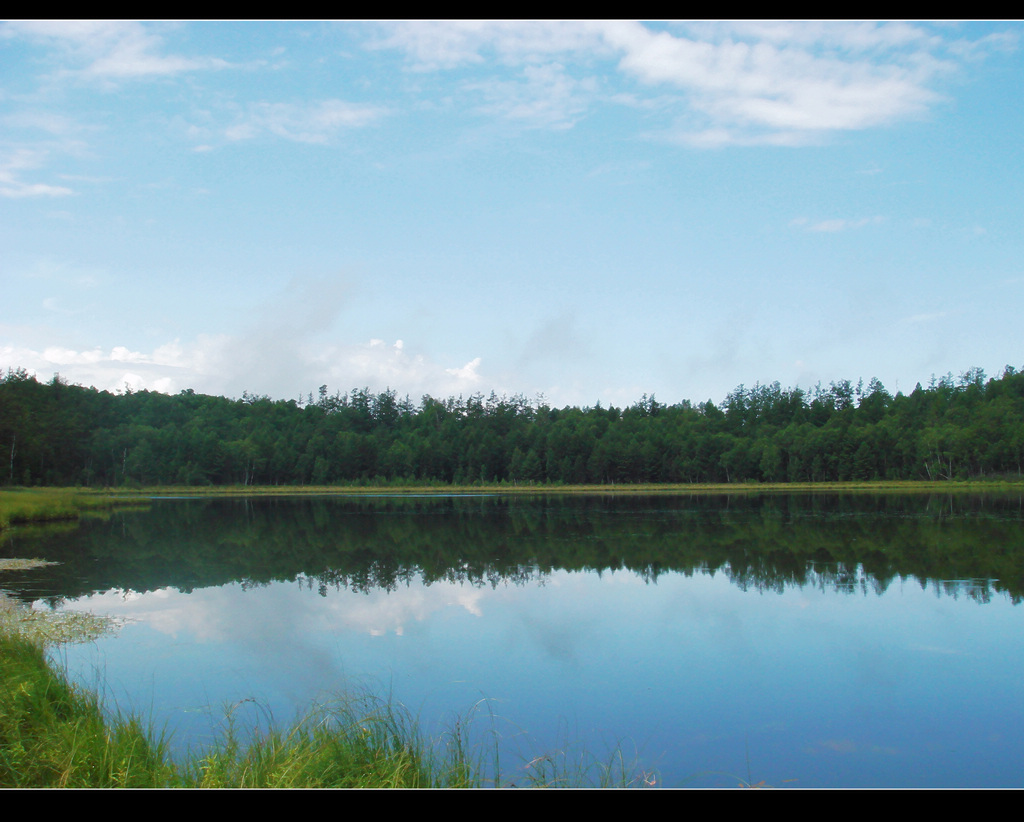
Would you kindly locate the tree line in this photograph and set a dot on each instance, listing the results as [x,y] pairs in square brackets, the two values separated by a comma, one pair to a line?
[55,433]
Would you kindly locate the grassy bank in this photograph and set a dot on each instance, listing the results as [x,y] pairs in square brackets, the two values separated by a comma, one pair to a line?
[873,486]
[56,734]
[52,735]
[22,506]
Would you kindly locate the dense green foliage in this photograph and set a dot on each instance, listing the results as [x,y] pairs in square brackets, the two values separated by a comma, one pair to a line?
[54,433]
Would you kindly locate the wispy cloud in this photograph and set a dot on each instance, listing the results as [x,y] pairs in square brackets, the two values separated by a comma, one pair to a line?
[290,347]
[304,123]
[754,83]
[736,83]
[11,172]
[228,365]
[926,318]
[834,225]
[108,50]
[544,96]
[55,124]
[433,45]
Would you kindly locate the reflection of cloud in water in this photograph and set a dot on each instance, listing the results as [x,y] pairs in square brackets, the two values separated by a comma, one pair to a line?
[163,610]
[379,613]
[280,610]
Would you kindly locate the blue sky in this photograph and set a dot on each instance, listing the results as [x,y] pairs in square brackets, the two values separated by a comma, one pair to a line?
[585,210]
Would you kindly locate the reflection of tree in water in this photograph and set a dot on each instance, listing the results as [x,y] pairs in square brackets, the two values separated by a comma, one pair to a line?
[377,578]
[963,545]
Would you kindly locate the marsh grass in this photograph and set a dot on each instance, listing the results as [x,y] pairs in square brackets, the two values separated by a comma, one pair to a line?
[22,506]
[56,734]
[572,764]
[359,742]
[47,628]
[530,488]
[53,734]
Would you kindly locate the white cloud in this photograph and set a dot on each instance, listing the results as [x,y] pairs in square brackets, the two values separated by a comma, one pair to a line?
[546,96]
[228,365]
[773,82]
[468,373]
[847,36]
[57,124]
[379,366]
[312,123]
[782,83]
[432,45]
[778,83]
[22,160]
[109,49]
[926,318]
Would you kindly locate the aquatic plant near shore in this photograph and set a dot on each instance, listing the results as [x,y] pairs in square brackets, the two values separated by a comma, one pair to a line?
[38,505]
[56,734]
[53,734]
[47,627]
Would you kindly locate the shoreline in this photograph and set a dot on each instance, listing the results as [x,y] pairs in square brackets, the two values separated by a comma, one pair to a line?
[42,504]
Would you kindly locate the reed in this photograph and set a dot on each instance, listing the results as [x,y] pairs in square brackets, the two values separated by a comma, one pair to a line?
[56,734]
[21,506]
[679,489]
[354,742]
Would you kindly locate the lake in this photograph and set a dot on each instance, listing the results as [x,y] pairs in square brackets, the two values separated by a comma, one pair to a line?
[812,640]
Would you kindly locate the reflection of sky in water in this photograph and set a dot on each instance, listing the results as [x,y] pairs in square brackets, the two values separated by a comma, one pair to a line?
[906,688]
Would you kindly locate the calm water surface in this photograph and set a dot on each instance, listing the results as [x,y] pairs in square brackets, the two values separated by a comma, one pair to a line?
[830,640]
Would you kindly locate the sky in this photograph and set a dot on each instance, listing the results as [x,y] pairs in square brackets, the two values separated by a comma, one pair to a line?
[578,211]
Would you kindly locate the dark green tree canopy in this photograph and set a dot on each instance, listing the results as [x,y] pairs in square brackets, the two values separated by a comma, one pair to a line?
[54,433]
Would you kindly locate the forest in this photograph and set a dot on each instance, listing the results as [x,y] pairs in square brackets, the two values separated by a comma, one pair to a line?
[57,434]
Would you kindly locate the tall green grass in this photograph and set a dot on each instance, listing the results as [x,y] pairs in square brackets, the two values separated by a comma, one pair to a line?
[28,505]
[356,743]
[56,734]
